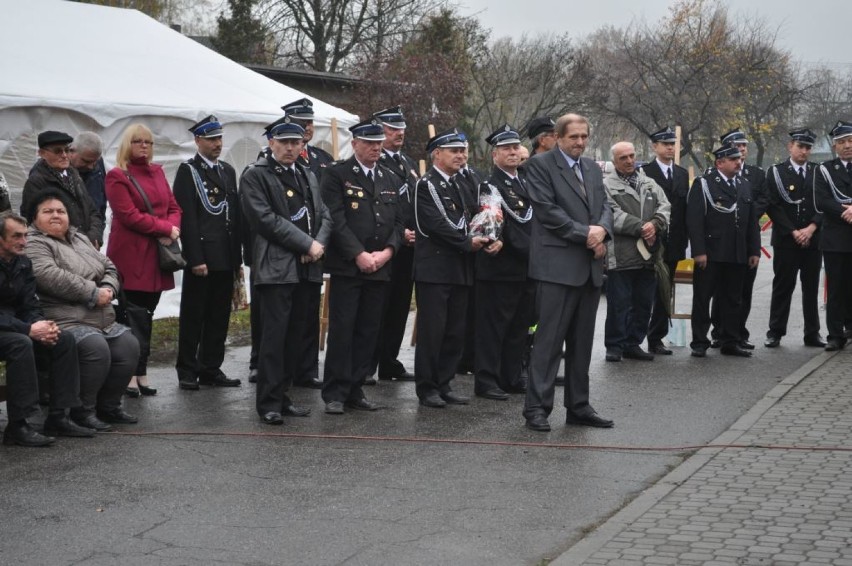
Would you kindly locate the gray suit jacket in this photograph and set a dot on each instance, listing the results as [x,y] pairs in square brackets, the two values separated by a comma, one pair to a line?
[561,219]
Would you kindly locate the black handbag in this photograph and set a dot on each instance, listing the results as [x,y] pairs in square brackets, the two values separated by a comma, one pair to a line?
[138,319]
[170,256]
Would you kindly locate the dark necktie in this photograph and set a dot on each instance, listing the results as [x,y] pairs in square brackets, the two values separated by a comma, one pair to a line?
[370,176]
[732,184]
[669,174]
[295,175]
[802,173]
[217,171]
[849,168]
[398,159]
[579,174]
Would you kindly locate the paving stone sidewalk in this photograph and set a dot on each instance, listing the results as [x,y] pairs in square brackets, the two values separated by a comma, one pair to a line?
[766,504]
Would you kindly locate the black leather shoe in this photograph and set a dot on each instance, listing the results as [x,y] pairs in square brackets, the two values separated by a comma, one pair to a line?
[404,376]
[520,387]
[295,411]
[363,405]
[496,394]
[815,341]
[746,345]
[833,345]
[117,416]
[453,398]
[132,392]
[560,380]
[637,353]
[699,351]
[370,380]
[659,350]
[591,419]
[538,423]
[613,355]
[334,408]
[147,391]
[88,419]
[311,383]
[715,344]
[735,350]
[772,342]
[252,378]
[433,400]
[22,434]
[63,426]
[272,418]
[189,383]
[219,380]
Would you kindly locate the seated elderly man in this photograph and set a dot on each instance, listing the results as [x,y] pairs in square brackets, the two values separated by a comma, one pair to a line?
[53,171]
[23,332]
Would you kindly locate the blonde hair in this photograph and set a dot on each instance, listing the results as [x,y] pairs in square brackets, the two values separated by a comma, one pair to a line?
[133,131]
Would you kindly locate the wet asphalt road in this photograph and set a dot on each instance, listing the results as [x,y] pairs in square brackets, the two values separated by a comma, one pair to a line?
[246,493]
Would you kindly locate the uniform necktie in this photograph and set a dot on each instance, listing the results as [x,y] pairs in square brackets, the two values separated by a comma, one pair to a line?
[370,176]
[849,167]
[579,174]
[669,173]
[732,184]
[398,159]
[802,173]
[292,171]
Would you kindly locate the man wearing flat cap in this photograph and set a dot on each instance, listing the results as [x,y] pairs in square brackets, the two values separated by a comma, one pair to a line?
[290,228]
[542,134]
[795,239]
[725,241]
[53,171]
[403,171]
[504,296]
[833,197]
[674,181]
[367,225]
[443,270]
[205,187]
[311,156]
[755,177]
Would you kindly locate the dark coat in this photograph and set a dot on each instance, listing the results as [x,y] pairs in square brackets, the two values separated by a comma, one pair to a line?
[365,216]
[19,306]
[95,181]
[511,262]
[757,179]
[405,171]
[836,233]
[318,160]
[676,190]
[207,238]
[277,242]
[723,237]
[787,216]
[82,212]
[561,219]
[442,252]
[470,184]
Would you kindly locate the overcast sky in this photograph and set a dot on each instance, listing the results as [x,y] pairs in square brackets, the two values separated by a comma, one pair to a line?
[816,31]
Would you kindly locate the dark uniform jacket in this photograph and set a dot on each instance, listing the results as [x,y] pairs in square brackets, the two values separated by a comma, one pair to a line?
[756,177]
[208,238]
[511,262]
[277,241]
[82,212]
[19,306]
[404,172]
[723,237]
[442,247]
[676,190]
[365,216]
[791,204]
[836,233]
[469,180]
[318,160]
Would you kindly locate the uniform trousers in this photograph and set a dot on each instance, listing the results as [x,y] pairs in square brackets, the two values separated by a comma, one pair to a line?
[441,327]
[20,351]
[629,296]
[276,301]
[301,356]
[838,272]
[745,307]
[567,316]
[721,283]
[397,307]
[787,264]
[658,328]
[205,312]
[355,309]
[504,313]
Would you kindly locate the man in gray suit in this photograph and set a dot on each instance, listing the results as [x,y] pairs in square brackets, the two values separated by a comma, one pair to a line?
[571,221]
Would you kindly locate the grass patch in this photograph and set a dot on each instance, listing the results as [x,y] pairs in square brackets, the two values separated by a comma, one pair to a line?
[164,335]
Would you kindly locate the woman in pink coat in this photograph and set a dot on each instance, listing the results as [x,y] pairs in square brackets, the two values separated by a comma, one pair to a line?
[134,232]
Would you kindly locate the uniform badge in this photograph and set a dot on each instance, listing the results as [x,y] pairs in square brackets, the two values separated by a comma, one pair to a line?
[350,192]
[313,155]
[379,173]
[443,185]
[289,193]
[355,168]
[215,190]
[354,206]
[507,182]
[360,194]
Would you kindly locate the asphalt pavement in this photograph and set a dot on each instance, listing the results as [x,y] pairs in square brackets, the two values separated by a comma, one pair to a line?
[201,481]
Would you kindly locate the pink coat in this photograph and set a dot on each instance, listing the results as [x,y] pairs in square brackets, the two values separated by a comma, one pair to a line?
[132,244]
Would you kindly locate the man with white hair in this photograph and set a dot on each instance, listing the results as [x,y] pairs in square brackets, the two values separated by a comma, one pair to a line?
[640,217]
[87,158]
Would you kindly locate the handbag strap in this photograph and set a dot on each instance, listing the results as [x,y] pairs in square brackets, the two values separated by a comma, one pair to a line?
[141,193]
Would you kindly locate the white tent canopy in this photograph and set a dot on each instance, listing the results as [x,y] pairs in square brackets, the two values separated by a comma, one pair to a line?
[72,67]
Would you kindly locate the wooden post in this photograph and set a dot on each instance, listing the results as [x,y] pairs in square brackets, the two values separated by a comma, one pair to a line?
[335,140]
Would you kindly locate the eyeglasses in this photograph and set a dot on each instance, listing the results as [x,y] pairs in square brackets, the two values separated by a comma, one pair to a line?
[59,150]
[142,142]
